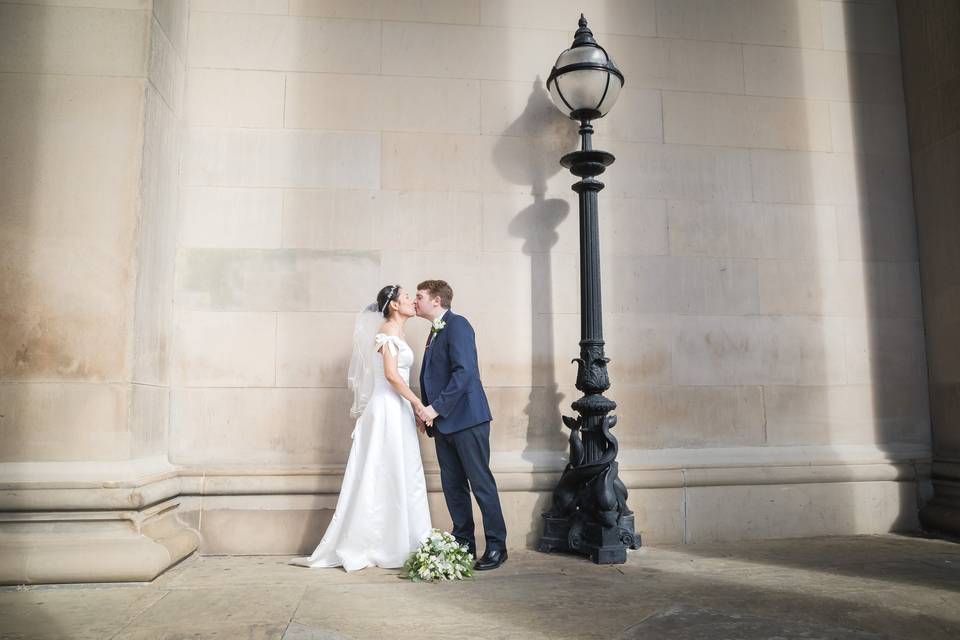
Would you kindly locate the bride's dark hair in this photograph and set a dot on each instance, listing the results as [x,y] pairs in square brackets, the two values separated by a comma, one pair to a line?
[387,295]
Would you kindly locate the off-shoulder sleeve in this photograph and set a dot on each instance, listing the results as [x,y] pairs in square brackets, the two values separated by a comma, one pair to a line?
[393,342]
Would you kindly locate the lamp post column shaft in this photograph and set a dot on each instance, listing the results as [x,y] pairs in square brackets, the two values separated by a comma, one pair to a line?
[591,318]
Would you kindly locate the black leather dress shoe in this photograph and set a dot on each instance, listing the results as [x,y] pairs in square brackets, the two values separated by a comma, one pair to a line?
[491,560]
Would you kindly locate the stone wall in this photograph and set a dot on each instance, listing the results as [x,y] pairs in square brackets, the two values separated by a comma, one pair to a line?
[761,292]
[177,343]
[930,32]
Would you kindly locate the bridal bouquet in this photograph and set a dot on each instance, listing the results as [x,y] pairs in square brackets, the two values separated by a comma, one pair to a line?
[439,557]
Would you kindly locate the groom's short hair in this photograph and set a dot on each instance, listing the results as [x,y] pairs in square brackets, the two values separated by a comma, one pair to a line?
[438,288]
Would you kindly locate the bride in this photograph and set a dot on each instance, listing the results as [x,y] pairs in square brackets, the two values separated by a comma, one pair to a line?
[382,513]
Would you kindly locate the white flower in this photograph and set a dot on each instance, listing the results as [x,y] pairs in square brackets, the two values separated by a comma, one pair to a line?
[438,326]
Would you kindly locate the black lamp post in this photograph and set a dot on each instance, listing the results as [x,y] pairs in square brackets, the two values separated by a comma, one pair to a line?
[589,514]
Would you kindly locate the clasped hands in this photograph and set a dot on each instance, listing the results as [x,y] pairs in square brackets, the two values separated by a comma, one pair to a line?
[425,417]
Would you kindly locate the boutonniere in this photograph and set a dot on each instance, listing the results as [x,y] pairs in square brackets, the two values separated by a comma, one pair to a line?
[438,326]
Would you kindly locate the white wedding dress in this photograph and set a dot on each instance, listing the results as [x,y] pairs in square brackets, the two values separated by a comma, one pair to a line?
[382,513]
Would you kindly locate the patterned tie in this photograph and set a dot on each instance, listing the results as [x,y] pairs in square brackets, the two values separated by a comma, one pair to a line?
[429,338]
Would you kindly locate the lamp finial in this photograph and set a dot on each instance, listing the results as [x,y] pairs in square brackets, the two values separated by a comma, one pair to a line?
[583,36]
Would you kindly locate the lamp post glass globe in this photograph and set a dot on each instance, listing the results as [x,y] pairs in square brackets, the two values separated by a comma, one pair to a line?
[584,83]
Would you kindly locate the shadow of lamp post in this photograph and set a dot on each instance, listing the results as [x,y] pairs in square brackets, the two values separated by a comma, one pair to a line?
[589,514]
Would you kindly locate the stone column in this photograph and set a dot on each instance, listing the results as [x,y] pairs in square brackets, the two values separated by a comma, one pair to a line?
[89,154]
[931,79]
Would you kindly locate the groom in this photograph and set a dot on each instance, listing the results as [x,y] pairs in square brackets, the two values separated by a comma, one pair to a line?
[456,404]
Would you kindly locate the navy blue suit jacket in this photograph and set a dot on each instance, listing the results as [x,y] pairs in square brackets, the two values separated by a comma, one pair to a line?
[450,378]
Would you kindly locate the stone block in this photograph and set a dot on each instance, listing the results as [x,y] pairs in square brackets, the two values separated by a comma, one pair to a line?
[758,350]
[228,217]
[713,286]
[314,349]
[234,98]
[268,7]
[675,416]
[715,514]
[275,280]
[678,171]
[746,121]
[637,284]
[468,52]
[265,426]
[441,11]
[225,349]
[752,230]
[786,24]
[847,414]
[846,288]
[815,74]
[283,43]
[830,178]
[677,65]
[73,40]
[374,103]
[281,158]
[388,220]
[52,421]
[431,162]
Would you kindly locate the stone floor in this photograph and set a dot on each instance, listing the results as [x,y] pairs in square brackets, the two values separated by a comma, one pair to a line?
[836,588]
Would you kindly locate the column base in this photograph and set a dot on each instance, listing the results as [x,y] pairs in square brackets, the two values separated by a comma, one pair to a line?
[94,546]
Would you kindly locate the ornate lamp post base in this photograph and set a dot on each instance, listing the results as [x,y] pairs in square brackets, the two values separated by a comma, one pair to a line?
[604,545]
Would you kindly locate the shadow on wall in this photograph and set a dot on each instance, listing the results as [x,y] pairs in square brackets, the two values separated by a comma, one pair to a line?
[537,225]
[893,333]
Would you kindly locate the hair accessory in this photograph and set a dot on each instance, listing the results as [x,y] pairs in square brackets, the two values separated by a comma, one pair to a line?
[393,290]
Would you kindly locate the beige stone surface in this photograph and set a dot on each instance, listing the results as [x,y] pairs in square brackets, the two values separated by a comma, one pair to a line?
[235,98]
[719,513]
[455,51]
[822,75]
[283,43]
[789,24]
[230,217]
[751,230]
[442,11]
[64,421]
[275,280]
[206,349]
[375,103]
[846,413]
[73,40]
[260,426]
[746,121]
[281,158]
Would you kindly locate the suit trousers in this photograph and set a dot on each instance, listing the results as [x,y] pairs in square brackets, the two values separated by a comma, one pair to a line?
[464,458]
